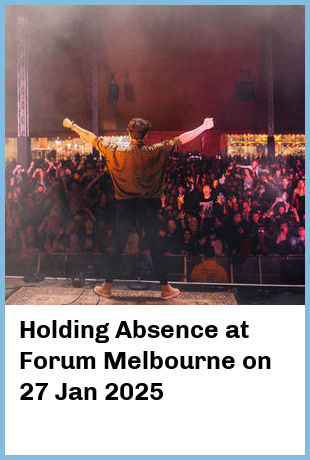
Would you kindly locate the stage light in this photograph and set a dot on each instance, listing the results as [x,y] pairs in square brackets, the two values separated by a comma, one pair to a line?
[113,92]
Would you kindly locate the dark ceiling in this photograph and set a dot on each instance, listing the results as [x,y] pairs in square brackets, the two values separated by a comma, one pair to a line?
[182,63]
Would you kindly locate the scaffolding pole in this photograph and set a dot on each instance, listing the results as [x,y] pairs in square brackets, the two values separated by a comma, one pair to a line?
[23,139]
[270,84]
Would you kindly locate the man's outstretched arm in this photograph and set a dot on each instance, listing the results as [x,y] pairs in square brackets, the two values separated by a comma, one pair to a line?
[86,135]
[191,135]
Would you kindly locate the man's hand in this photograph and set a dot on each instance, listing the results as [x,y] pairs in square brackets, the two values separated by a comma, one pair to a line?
[208,123]
[189,136]
[86,135]
[67,123]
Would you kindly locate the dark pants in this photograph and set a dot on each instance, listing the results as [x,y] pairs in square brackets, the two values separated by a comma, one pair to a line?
[144,212]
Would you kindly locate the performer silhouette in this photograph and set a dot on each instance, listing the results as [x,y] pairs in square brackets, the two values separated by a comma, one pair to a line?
[137,172]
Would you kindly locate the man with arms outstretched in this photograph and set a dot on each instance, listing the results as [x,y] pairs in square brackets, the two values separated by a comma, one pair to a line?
[137,172]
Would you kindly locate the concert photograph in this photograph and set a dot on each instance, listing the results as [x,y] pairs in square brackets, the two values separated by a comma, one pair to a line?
[154,155]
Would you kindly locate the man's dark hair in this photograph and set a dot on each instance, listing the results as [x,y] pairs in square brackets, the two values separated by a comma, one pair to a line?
[138,127]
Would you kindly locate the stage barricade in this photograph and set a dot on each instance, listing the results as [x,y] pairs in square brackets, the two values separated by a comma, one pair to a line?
[176,267]
[246,270]
[21,265]
[282,270]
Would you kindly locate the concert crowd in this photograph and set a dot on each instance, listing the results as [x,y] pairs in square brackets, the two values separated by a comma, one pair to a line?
[227,206]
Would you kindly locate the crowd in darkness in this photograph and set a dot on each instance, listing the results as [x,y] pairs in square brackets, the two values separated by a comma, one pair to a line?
[220,206]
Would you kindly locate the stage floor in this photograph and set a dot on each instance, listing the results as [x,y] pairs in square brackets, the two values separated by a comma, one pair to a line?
[58,292]
[61,292]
